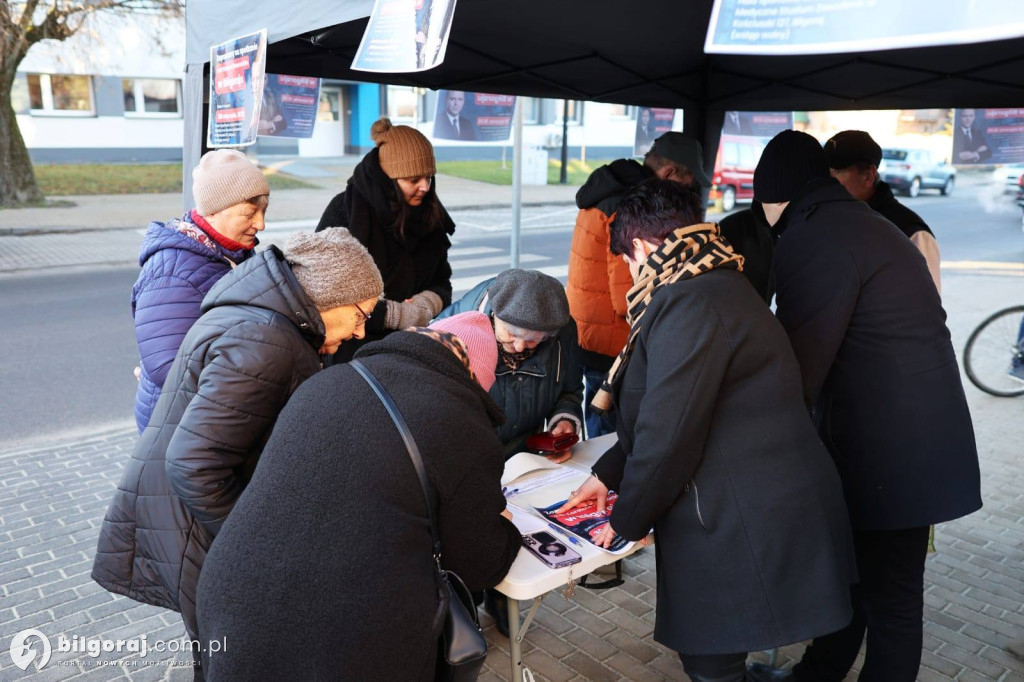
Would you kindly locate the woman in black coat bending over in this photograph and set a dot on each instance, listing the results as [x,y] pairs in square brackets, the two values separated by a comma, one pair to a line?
[324,571]
[716,450]
[391,206]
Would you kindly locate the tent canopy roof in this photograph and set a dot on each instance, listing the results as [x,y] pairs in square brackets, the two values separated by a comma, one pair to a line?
[648,53]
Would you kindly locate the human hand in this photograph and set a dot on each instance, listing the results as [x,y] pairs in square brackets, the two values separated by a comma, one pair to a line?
[592,489]
[138,373]
[506,513]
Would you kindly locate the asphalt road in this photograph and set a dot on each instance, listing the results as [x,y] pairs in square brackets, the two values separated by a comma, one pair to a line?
[69,347]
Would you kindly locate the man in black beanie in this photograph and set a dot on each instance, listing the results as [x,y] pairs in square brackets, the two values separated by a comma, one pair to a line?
[881,379]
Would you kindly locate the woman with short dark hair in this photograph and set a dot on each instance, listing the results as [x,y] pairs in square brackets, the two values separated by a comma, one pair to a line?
[715,449]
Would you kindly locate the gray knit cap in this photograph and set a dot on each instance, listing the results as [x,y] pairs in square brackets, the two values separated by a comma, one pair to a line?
[529,299]
[333,267]
[223,178]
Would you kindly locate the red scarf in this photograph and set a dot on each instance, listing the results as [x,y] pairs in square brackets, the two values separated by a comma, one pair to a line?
[229,244]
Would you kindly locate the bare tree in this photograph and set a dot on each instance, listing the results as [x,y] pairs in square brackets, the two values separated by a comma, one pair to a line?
[23,23]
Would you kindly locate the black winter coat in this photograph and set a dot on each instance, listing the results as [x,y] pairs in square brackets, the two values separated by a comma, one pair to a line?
[257,340]
[331,537]
[716,452]
[869,332]
[896,213]
[547,385]
[751,236]
[419,262]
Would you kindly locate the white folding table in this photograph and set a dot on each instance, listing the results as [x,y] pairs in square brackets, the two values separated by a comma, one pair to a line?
[529,578]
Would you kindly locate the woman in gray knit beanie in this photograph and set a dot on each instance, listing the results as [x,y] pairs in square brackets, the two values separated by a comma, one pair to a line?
[340,278]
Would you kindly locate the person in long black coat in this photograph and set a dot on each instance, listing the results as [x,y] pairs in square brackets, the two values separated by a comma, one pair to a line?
[716,451]
[325,568]
[390,205]
[878,369]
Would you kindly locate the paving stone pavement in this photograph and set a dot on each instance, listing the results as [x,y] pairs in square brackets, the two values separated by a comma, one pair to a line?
[52,500]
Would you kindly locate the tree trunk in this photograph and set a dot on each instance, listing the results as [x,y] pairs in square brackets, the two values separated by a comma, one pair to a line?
[17,179]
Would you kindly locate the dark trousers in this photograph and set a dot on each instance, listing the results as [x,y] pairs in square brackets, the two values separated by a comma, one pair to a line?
[715,667]
[888,603]
[597,424]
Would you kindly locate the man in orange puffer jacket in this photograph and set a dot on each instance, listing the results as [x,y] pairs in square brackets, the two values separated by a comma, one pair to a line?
[598,281]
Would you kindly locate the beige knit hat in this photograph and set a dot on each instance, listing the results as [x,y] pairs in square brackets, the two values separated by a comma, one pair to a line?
[223,178]
[333,267]
[404,152]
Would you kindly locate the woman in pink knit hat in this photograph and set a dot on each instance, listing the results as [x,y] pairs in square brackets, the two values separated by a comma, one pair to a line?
[331,535]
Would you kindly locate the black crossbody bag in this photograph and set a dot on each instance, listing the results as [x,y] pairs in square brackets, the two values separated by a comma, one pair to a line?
[461,647]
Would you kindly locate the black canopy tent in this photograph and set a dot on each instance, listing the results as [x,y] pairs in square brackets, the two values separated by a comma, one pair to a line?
[644,53]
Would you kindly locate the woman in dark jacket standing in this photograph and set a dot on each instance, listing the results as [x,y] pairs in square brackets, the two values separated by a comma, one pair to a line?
[263,328]
[391,206]
[331,536]
[716,451]
[183,258]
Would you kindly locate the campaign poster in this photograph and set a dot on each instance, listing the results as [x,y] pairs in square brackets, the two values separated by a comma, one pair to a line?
[289,106]
[780,27]
[765,124]
[236,90]
[650,124]
[585,521]
[988,136]
[473,116]
[404,36]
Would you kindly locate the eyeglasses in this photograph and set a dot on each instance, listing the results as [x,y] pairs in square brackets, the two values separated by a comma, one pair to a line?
[366,316]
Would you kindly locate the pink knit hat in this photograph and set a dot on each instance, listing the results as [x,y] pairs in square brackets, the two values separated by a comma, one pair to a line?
[477,335]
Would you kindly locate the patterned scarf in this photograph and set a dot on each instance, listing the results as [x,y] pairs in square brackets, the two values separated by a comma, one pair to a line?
[449,341]
[513,360]
[687,252]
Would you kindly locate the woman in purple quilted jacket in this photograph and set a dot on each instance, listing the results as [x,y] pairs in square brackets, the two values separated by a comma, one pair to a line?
[183,258]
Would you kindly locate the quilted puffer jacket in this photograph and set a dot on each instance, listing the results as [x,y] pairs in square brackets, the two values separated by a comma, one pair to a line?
[180,263]
[257,340]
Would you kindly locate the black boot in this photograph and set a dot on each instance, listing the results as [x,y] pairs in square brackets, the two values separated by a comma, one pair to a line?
[761,672]
[496,604]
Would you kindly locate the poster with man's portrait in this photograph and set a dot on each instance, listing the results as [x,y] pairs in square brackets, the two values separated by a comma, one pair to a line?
[404,36]
[988,136]
[650,124]
[473,116]
[289,106]
[765,124]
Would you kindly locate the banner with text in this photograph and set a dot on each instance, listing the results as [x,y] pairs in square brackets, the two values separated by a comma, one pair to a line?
[404,36]
[289,106]
[988,136]
[236,90]
[473,116]
[833,26]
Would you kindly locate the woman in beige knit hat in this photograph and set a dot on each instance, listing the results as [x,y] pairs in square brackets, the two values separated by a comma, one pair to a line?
[390,204]
[184,257]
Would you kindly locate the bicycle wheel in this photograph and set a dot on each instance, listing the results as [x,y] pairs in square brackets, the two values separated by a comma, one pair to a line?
[993,349]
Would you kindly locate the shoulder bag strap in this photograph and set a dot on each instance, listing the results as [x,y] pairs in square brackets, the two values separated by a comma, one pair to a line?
[410,445]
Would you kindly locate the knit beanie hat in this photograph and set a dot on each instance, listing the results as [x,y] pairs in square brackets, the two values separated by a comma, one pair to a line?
[529,299]
[333,268]
[404,152]
[851,147]
[223,178]
[791,160]
[477,335]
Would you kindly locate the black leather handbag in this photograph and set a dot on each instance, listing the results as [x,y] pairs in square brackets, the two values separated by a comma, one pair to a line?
[461,645]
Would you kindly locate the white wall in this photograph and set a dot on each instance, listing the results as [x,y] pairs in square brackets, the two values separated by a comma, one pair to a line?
[65,132]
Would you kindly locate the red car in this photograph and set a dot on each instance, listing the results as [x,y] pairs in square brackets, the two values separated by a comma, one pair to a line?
[733,179]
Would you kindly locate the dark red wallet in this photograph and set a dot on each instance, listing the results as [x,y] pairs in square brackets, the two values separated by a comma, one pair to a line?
[547,443]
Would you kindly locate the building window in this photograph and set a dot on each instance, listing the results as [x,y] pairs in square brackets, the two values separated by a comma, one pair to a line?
[402,105]
[575,111]
[621,111]
[64,95]
[531,110]
[151,97]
